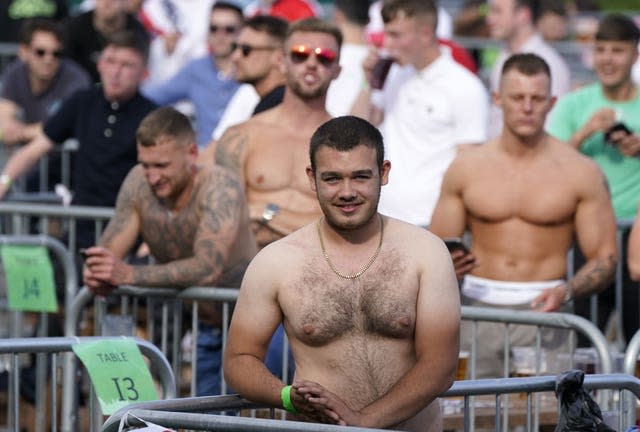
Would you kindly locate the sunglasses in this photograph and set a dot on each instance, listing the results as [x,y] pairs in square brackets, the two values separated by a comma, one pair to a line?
[300,54]
[246,49]
[229,29]
[40,52]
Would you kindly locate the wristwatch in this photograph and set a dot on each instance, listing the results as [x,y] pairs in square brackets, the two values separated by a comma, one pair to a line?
[270,211]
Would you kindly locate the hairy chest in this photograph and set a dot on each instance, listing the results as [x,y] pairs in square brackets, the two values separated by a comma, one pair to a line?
[323,307]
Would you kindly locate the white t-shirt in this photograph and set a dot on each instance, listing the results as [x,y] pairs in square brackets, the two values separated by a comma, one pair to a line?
[344,90]
[427,114]
[239,109]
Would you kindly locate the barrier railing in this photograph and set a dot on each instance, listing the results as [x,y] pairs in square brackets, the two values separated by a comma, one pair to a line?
[187,412]
[54,346]
[539,319]
[17,214]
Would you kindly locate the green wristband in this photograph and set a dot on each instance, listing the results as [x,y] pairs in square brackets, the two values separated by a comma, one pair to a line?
[285,396]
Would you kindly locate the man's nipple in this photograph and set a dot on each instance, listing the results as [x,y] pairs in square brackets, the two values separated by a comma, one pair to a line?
[404,322]
[308,329]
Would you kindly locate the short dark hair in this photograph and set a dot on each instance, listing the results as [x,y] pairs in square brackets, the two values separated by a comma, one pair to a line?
[130,39]
[356,11]
[164,121]
[33,25]
[271,25]
[618,27]
[411,8]
[344,134]
[526,63]
[532,5]
[315,25]
[220,5]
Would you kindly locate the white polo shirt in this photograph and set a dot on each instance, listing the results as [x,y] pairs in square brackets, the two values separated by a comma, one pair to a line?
[427,114]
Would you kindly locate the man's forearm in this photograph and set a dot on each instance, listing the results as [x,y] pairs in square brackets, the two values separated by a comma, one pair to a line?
[593,277]
[248,375]
[181,273]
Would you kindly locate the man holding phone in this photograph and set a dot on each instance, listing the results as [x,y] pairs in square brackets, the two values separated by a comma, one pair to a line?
[525,196]
[602,121]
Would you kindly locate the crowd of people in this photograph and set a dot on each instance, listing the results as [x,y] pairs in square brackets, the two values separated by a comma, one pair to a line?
[293,149]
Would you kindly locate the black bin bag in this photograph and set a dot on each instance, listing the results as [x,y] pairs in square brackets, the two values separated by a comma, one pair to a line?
[578,411]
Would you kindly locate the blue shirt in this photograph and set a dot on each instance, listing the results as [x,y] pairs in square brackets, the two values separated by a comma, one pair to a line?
[205,86]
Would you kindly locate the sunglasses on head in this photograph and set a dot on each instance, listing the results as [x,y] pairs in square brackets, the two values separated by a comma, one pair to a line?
[246,49]
[300,53]
[229,29]
[41,52]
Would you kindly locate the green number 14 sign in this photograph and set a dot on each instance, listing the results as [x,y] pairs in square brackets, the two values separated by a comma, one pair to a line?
[29,277]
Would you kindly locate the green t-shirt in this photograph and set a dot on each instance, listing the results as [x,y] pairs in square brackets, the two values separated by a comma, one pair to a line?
[623,172]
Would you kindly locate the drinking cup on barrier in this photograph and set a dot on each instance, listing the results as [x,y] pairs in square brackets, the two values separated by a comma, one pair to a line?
[586,359]
[524,361]
[463,366]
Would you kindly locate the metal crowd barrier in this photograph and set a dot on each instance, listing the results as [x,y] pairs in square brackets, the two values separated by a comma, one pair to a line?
[17,215]
[191,413]
[538,319]
[64,150]
[168,303]
[54,346]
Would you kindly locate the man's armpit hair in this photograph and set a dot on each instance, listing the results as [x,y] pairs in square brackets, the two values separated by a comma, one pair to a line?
[230,148]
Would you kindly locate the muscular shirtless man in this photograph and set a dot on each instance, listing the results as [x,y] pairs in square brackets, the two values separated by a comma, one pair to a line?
[525,196]
[369,303]
[194,220]
[269,151]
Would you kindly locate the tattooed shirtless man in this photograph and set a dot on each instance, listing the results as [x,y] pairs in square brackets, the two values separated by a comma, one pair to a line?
[194,220]
[525,197]
[370,304]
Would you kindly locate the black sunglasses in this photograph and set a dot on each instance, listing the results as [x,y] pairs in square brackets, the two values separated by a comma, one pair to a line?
[213,28]
[246,49]
[41,52]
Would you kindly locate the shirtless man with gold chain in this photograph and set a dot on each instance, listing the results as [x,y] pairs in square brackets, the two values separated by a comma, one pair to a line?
[269,151]
[370,304]
[525,197]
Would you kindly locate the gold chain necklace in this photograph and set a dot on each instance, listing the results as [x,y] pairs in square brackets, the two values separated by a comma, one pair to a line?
[366,267]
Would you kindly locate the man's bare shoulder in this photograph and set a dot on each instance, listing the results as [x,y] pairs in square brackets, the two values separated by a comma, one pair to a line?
[574,163]
[412,238]
[220,181]
[292,249]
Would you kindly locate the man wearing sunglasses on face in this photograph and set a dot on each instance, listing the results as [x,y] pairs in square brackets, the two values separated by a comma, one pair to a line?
[34,87]
[207,81]
[257,60]
[269,151]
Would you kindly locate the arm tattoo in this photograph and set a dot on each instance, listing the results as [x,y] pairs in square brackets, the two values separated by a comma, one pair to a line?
[230,150]
[593,277]
[125,207]
[220,205]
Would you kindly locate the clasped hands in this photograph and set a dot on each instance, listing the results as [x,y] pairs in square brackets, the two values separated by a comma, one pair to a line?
[317,403]
[103,271]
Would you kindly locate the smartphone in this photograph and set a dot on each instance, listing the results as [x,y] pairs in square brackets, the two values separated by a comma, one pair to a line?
[616,128]
[455,243]
[380,72]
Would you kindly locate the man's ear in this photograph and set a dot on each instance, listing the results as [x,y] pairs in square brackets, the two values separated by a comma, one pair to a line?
[384,172]
[311,175]
[497,100]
